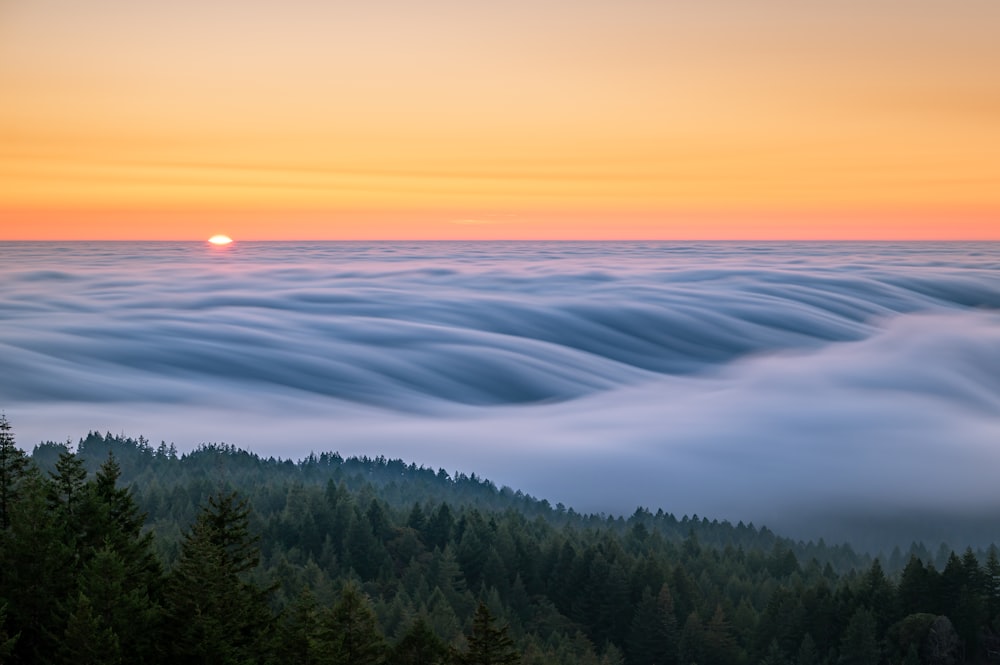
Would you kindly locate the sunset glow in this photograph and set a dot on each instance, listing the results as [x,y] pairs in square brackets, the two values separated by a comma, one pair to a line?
[506,120]
[220,240]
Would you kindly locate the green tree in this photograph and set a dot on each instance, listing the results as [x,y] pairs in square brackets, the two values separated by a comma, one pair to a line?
[914,593]
[419,646]
[37,573]
[991,583]
[720,645]
[859,644]
[351,634]
[68,481]
[113,606]
[88,639]
[215,614]
[691,645]
[299,632]
[653,635]
[13,464]
[774,655]
[488,644]
[808,654]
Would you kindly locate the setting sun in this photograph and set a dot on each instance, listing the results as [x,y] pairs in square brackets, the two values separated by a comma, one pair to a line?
[220,240]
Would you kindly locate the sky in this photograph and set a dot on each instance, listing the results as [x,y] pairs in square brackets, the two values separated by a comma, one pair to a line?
[540,119]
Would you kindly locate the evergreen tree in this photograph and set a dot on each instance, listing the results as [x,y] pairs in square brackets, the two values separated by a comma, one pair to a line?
[351,635]
[13,464]
[420,646]
[691,645]
[116,605]
[653,635]
[37,573]
[808,654]
[68,480]
[215,615]
[88,639]
[299,633]
[859,644]
[774,655]
[720,645]
[991,582]
[118,525]
[487,644]
[914,593]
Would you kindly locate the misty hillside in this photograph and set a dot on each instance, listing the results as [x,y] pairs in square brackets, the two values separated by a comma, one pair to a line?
[244,559]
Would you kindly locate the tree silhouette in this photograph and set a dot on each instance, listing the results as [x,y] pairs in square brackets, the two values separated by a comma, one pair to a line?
[488,645]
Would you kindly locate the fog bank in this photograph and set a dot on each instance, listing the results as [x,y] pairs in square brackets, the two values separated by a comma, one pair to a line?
[800,384]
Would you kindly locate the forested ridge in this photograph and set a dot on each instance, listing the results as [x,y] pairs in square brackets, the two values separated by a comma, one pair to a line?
[116,551]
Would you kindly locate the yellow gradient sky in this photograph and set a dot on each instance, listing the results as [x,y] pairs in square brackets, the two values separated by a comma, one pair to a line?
[309,119]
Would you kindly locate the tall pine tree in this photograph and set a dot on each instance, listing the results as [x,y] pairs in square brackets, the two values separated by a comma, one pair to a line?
[215,615]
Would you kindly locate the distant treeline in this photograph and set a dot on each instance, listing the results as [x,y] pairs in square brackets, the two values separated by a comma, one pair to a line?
[122,552]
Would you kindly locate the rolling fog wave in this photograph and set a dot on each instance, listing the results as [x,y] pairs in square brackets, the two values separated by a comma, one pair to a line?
[766,378]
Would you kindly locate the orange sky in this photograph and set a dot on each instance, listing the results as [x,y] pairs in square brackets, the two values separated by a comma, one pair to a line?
[308,119]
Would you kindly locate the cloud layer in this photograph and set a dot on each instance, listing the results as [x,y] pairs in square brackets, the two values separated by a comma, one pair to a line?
[776,382]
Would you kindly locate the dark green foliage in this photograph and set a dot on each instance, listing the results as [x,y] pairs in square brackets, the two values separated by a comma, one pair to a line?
[81,572]
[38,573]
[214,614]
[487,643]
[941,646]
[87,638]
[653,635]
[807,655]
[350,633]
[859,645]
[299,632]
[420,646]
[13,465]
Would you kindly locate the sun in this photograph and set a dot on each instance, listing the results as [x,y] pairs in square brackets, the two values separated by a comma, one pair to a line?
[220,240]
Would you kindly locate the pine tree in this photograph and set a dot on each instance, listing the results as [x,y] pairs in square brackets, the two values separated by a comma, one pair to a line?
[13,464]
[991,583]
[914,592]
[68,480]
[37,573]
[691,646]
[118,525]
[774,655]
[487,644]
[808,655]
[299,632]
[419,646]
[351,635]
[653,635]
[859,644]
[214,614]
[88,639]
[114,605]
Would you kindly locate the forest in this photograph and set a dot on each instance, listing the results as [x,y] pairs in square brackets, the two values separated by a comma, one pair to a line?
[114,550]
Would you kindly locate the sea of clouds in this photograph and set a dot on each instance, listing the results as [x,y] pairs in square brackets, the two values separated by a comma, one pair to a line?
[814,387]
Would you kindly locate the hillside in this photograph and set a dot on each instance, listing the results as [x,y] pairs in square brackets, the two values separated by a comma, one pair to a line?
[241,555]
